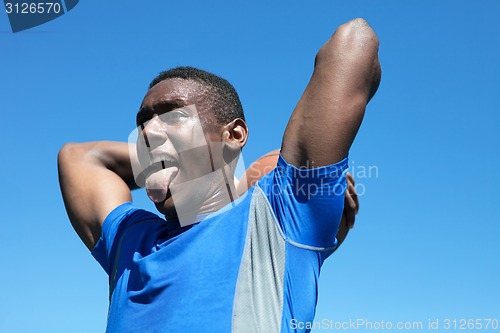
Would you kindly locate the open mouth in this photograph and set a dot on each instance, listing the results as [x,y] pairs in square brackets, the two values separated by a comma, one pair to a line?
[157,164]
[158,177]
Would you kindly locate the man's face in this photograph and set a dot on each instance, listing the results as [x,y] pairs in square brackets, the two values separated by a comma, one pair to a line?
[174,143]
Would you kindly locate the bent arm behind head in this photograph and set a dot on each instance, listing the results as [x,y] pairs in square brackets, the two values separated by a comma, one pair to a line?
[95,178]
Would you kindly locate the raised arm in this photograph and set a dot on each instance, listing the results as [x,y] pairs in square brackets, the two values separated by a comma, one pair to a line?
[328,115]
[95,178]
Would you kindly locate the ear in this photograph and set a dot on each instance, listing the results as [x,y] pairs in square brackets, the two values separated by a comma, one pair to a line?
[235,135]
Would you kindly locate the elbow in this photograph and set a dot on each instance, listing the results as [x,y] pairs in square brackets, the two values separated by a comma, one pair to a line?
[65,151]
[357,32]
[352,52]
[68,150]
[64,158]
[353,37]
[72,153]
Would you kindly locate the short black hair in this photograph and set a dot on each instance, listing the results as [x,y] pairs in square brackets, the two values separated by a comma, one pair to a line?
[221,95]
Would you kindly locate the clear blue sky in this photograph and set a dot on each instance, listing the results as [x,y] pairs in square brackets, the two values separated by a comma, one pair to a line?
[426,242]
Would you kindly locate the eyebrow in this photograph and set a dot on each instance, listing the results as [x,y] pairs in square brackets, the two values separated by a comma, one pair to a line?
[159,107]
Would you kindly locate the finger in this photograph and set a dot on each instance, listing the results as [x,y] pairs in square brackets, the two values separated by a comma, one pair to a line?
[351,202]
[343,221]
[350,218]
[353,196]
[351,188]
[349,210]
[350,178]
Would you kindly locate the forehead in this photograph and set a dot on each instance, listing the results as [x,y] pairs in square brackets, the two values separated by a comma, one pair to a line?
[169,90]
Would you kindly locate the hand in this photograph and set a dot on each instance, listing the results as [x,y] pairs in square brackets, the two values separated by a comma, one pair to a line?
[351,207]
[351,203]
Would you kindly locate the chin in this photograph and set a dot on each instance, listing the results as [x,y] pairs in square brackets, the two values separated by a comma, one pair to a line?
[166,207]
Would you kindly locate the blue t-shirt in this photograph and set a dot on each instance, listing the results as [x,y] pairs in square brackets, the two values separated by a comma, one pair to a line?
[251,267]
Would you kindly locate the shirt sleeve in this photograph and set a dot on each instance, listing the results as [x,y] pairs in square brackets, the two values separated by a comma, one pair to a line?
[116,221]
[308,203]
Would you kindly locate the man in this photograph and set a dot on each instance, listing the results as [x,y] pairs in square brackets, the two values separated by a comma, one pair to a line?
[219,263]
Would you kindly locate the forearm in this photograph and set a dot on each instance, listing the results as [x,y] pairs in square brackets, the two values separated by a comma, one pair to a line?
[95,178]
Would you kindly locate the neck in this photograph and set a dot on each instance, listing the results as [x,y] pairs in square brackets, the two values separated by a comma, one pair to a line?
[202,196]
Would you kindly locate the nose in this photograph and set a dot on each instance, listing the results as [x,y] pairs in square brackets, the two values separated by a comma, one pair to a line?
[154,133]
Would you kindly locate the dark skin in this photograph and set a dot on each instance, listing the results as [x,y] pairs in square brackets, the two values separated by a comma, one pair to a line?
[97,177]
[346,75]
[189,130]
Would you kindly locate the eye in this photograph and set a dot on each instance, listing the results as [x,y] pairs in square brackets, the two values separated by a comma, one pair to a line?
[173,116]
[142,119]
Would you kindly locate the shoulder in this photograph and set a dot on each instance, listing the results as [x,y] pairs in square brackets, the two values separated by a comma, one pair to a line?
[120,224]
[123,218]
[128,212]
